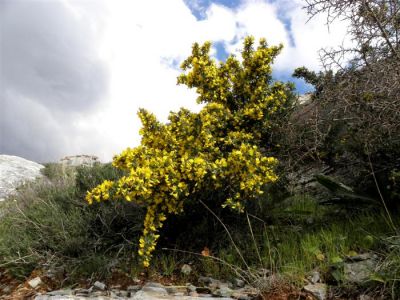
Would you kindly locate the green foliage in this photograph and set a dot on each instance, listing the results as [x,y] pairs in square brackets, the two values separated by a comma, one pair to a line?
[388,272]
[40,222]
[218,151]
[89,177]
[48,224]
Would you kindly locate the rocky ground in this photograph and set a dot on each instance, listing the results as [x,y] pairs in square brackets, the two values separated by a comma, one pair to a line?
[208,288]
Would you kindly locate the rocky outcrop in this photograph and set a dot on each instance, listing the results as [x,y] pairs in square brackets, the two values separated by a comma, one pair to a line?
[15,171]
[79,160]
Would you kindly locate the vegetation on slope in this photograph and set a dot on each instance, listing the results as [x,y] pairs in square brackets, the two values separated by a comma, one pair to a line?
[250,133]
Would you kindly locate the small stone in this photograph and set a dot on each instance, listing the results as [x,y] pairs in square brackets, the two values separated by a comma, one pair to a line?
[186,269]
[35,282]
[238,283]
[314,277]
[99,286]
[318,290]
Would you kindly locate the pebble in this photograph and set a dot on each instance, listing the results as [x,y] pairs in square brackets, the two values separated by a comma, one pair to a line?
[186,269]
[35,282]
[99,285]
[238,283]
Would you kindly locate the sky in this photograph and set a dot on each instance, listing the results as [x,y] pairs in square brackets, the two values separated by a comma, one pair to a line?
[73,73]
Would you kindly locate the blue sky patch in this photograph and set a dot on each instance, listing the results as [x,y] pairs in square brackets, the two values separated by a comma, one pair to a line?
[199,7]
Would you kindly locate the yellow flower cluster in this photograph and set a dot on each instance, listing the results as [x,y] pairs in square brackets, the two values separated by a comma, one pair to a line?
[218,148]
[100,193]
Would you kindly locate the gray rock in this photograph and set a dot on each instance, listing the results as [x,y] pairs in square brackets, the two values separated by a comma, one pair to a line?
[314,277]
[360,271]
[238,283]
[15,171]
[35,282]
[318,290]
[79,160]
[305,98]
[99,286]
[186,269]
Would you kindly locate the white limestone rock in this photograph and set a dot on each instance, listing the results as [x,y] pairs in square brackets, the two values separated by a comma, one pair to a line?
[15,171]
[79,160]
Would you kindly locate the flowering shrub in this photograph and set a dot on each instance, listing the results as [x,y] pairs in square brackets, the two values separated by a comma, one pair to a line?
[217,149]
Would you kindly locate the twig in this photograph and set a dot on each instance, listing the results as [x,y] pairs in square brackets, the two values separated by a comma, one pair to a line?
[380,194]
[254,240]
[229,234]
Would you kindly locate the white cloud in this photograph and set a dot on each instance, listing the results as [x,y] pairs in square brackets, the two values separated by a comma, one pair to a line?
[143,35]
[141,39]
